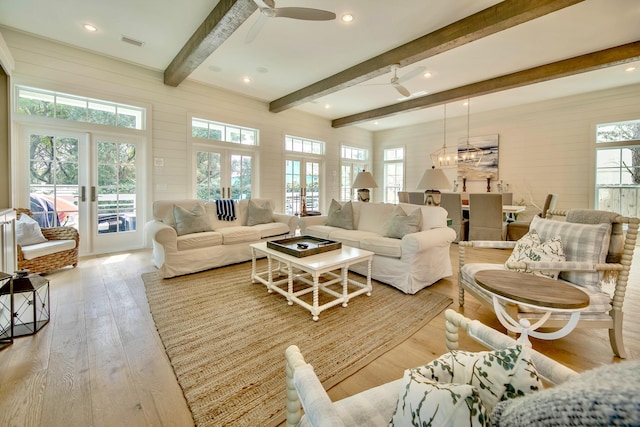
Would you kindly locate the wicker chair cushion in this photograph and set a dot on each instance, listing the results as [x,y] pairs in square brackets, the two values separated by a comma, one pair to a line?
[47,248]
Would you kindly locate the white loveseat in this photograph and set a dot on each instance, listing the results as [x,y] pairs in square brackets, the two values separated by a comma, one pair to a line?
[410,263]
[226,243]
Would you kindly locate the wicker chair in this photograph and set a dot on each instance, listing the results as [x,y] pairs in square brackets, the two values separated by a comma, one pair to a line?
[614,271]
[53,261]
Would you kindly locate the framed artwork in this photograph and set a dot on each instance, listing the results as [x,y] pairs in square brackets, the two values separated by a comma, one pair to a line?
[488,166]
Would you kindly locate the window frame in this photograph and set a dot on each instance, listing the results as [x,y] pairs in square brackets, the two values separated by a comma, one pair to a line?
[392,197]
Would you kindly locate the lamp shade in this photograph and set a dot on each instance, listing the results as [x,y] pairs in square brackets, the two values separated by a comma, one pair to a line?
[433,179]
[365,180]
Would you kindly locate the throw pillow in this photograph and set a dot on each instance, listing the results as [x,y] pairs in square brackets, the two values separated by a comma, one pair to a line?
[190,221]
[531,248]
[400,223]
[340,215]
[423,401]
[605,396]
[28,231]
[581,243]
[259,215]
[497,375]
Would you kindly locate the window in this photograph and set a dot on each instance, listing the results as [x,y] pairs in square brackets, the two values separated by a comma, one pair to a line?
[206,129]
[393,173]
[618,167]
[44,103]
[354,160]
[303,165]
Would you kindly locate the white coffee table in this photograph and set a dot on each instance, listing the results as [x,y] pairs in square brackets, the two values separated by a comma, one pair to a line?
[308,270]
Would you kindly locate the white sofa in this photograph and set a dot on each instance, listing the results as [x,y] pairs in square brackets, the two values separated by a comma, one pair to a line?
[411,263]
[227,243]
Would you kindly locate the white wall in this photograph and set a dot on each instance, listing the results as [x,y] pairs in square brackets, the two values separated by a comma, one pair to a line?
[545,147]
[48,65]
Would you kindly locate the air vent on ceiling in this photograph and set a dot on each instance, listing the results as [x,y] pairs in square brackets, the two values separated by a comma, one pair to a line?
[132,41]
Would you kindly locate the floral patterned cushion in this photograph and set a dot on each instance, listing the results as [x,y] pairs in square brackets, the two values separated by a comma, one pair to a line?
[530,247]
[497,375]
[425,402]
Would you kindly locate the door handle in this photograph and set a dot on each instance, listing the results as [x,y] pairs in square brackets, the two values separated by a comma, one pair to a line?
[93,194]
[83,193]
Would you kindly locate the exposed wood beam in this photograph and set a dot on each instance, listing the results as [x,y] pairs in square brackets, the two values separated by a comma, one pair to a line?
[223,20]
[580,64]
[494,19]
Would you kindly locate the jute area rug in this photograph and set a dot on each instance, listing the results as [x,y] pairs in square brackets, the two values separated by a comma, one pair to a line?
[226,338]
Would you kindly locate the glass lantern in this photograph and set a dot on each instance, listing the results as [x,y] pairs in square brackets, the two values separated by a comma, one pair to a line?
[30,303]
[6,309]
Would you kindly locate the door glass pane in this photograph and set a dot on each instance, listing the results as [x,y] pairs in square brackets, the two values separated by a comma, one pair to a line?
[53,180]
[292,187]
[116,190]
[208,176]
[240,176]
[312,199]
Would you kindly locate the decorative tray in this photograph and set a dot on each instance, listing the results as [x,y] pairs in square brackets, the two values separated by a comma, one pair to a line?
[303,246]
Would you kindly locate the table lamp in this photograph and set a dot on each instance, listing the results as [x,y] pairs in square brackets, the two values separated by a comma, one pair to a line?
[364,181]
[432,180]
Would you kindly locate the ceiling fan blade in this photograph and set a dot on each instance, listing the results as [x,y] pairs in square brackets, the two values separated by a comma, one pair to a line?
[412,74]
[402,90]
[304,13]
[255,29]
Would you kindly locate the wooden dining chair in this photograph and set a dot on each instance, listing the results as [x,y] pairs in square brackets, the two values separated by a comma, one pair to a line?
[517,229]
[452,203]
[485,217]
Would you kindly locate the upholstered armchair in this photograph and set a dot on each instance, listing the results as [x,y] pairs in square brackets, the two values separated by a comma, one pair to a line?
[60,249]
[598,253]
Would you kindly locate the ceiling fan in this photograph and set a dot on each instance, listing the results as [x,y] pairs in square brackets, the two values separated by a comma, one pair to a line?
[396,81]
[268,9]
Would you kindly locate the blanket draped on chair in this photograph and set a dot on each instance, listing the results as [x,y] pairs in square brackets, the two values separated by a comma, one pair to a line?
[226,210]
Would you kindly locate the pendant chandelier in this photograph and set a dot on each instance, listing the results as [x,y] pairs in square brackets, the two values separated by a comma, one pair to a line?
[445,156]
[469,154]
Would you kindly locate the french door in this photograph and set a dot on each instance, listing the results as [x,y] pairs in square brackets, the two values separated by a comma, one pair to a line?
[223,174]
[302,184]
[88,181]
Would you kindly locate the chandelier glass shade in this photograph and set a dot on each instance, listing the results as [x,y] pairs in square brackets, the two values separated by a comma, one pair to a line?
[465,154]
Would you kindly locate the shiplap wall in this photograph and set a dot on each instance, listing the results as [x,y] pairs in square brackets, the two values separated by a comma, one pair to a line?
[545,147]
[49,65]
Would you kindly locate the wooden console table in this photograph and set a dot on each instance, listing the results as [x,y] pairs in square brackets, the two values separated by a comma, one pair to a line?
[510,288]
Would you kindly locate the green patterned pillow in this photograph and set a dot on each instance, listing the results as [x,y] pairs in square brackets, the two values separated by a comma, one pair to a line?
[497,375]
[400,223]
[531,248]
[425,402]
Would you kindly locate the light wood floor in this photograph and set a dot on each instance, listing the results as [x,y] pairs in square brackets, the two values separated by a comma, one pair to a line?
[99,361]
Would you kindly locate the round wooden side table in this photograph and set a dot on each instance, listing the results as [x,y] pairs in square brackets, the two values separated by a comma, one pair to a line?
[511,288]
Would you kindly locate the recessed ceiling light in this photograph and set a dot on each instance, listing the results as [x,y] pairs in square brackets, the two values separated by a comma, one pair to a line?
[465,103]
[246,79]
[347,17]
[327,106]
[426,75]
[91,28]
[630,69]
